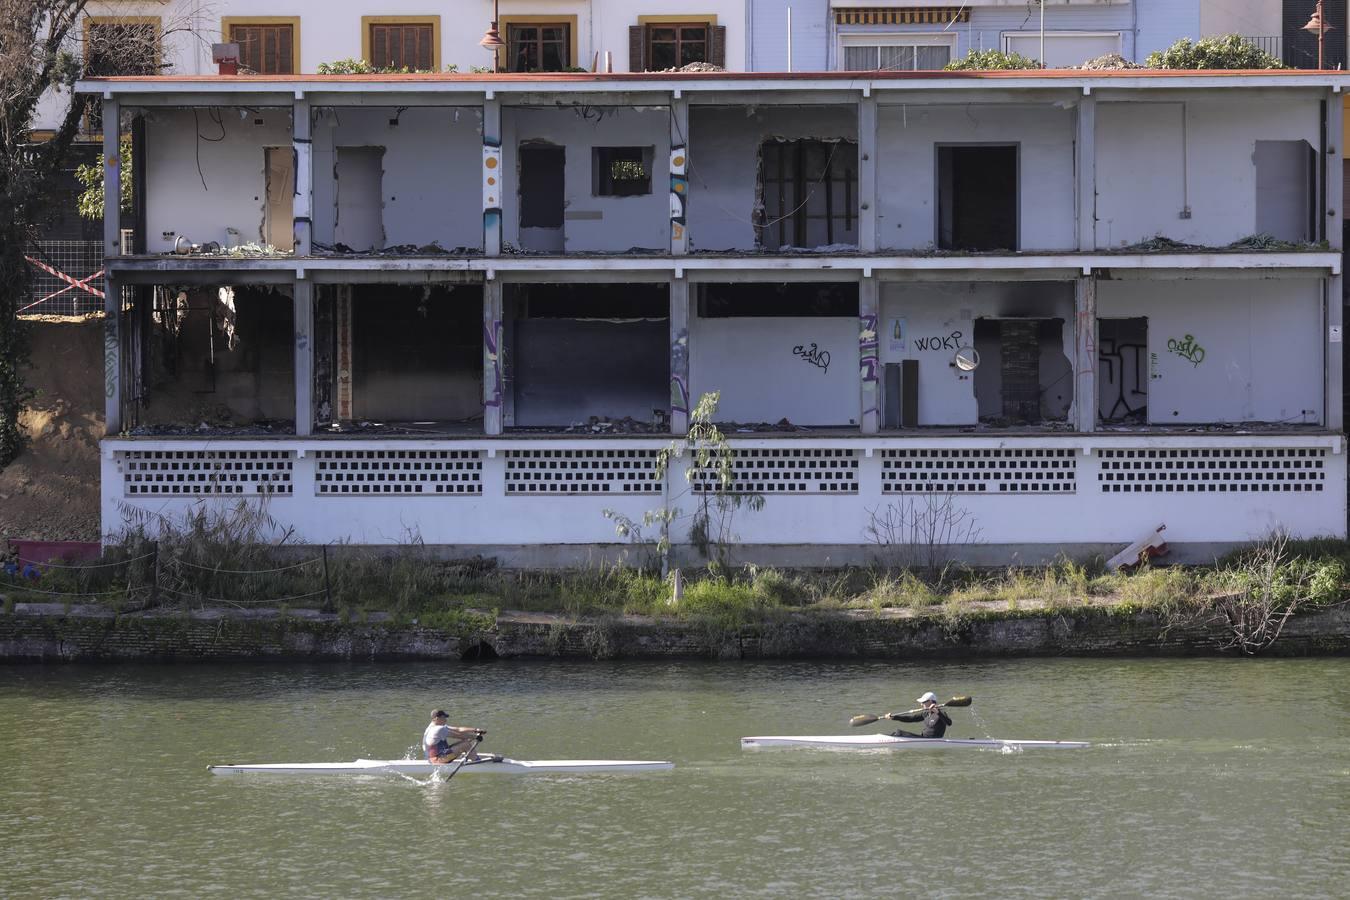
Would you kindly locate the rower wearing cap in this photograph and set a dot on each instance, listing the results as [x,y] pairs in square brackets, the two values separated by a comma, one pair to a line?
[934,719]
[444,743]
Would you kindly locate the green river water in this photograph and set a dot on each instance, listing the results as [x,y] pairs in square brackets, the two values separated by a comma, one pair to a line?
[1207,778]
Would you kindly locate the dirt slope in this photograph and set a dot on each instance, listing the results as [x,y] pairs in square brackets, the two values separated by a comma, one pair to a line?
[51,491]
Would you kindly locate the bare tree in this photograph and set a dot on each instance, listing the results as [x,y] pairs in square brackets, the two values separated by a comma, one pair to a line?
[920,530]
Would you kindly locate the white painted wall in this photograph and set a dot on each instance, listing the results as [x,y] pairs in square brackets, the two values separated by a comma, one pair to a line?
[1262,340]
[1252,18]
[907,169]
[759,365]
[1149,169]
[724,164]
[1163,22]
[594,223]
[431,186]
[230,151]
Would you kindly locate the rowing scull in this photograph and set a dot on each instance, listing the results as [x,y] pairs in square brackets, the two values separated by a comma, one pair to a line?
[890,742]
[421,767]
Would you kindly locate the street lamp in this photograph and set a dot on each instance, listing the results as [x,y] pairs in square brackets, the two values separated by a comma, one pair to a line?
[1318,24]
[492,40]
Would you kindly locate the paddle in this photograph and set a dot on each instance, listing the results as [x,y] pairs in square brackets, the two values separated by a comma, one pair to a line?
[464,757]
[868,720]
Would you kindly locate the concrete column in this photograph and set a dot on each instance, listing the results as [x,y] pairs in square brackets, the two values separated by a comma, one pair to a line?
[1085,165]
[867,176]
[112,351]
[303,145]
[492,356]
[679,177]
[112,179]
[304,356]
[494,178]
[679,356]
[345,387]
[1335,288]
[869,361]
[1085,353]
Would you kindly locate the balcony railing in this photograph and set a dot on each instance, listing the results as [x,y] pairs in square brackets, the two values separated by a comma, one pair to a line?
[1271,43]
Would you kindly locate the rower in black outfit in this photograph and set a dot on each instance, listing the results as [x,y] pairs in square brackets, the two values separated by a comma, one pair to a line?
[934,719]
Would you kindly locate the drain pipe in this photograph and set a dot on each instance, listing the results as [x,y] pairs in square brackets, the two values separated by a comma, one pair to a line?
[789,37]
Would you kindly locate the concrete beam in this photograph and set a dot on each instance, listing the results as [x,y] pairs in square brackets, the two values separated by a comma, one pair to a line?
[867,175]
[869,359]
[679,176]
[303,147]
[1085,354]
[303,304]
[494,178]
[1085,168]
[112,179]
[112,350]
[493,381]
[679,356]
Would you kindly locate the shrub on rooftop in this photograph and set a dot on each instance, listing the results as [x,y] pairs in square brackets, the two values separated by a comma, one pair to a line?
[991,60]
[1228,52]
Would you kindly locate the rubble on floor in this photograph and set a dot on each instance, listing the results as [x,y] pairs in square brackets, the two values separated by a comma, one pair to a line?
[1110,61]
[431,249]
[216,429]
[697,67]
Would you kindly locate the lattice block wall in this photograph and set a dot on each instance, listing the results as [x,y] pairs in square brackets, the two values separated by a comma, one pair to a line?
[1188,471]
[796,471]
[581,472]
[344,473]
[196,473]
[1030,471]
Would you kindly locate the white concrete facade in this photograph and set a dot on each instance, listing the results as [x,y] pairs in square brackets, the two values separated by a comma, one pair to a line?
[1120,384]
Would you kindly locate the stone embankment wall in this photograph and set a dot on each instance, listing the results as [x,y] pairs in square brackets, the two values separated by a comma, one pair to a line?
[54,632]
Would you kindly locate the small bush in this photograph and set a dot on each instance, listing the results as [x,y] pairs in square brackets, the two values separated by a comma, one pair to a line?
[991,61]
[1228,52]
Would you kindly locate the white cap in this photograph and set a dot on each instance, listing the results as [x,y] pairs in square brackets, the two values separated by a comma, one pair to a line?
[929,697]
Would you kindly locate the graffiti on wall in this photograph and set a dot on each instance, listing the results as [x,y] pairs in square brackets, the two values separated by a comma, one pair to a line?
[679,372]
[1187,349]
[492,340]
[868,352]
[112,355]
[679,191]
[814,355]
[940,342]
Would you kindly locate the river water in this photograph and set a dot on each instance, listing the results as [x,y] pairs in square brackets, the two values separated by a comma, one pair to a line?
[1207,778]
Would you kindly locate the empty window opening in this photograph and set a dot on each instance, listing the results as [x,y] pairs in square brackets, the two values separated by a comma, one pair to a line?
[1023,378]
[809,193]
[1286,188]
[119,45]
[265,49]
[359,174]
[223,356]
[977,197]
[403,45]
[416,354]
[621,171]
[721,301]
[542,197]
[1122,370]
[539,48]
[580,355]
[278,227]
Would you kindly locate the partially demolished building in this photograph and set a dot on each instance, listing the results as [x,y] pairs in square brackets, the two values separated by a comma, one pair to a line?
[1062,307]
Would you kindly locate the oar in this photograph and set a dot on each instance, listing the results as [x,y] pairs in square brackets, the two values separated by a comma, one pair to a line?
[464,757]
[868,720]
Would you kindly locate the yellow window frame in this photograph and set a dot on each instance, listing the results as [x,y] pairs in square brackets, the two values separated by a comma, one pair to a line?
[505,22]
[433,21]
[228,22]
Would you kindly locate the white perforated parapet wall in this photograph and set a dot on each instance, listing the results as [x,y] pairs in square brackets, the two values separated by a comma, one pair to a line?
[195,473]
[411,472]
[789,471]
[993,471]
[1168,471]
[581,472]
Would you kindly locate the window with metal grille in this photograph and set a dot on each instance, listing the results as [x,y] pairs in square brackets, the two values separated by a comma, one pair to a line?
[672,45]
[403,46]
[265,49]
[621,171]
[896,57]
[539,48]
[810,195]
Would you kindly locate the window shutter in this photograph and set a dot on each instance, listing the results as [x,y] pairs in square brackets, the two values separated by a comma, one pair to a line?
[717,54]
[636,41]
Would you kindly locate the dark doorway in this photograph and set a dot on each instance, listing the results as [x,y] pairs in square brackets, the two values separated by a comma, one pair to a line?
[542,197]
[1122,370]
[1024,377]
[977,197]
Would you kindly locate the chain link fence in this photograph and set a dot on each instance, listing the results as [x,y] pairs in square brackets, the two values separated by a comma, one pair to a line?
[67,278]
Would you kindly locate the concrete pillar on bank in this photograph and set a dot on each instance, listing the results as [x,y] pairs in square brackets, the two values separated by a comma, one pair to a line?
[494,178]
[679,356]
[112,353]
[867,175]
[1085,164]
[303,304]
[112,178]
[303,146]
[679,176]
[869,362]
[1085,353]
[492,356]
[112,296]
[1335,289]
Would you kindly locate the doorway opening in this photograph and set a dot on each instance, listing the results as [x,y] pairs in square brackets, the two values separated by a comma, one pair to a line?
[977,197]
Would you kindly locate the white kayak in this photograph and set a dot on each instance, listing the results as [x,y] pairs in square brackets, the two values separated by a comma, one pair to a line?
[421,767]
[890,742]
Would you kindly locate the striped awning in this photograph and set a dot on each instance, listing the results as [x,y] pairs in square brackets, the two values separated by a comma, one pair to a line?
[926,15]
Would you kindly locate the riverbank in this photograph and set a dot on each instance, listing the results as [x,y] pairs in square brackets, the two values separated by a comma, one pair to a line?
[56,632]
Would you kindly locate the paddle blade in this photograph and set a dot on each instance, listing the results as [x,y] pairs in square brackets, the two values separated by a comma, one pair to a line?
[959,701]
[862,720]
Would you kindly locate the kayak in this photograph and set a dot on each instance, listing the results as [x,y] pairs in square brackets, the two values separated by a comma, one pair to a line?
[421,767]
[890,742]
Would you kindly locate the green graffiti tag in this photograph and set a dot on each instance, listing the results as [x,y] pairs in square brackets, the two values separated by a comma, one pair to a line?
[1187,349]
